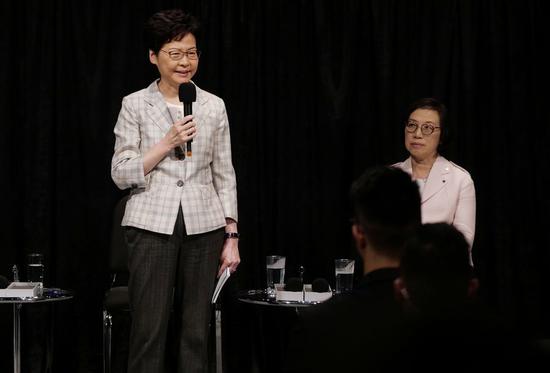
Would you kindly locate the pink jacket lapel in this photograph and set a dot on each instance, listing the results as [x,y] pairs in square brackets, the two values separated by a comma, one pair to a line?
[437,178]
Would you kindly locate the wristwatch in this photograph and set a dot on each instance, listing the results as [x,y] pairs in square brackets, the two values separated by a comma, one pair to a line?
[231,235]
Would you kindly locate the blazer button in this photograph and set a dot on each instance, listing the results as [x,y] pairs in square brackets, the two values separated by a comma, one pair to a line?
[179,183]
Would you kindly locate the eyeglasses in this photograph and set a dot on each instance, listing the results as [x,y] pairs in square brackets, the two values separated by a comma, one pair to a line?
[426,128]
[177,54]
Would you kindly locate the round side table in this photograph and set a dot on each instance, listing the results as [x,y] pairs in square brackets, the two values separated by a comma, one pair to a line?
[49,295]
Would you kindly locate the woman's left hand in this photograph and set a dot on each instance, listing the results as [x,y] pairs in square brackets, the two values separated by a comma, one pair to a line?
[230,255]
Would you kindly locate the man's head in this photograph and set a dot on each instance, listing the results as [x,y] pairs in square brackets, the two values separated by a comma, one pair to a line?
[435,269]
[386,207]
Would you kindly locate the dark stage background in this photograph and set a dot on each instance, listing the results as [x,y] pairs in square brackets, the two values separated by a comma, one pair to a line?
[315,92]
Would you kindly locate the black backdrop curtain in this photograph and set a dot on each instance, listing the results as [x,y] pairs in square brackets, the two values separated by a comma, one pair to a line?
[315,92]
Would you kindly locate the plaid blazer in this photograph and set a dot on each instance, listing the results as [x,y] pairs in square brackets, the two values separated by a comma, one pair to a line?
[204,184]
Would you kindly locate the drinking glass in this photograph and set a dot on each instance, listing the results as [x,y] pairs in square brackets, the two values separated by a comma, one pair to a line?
[35,270]
[275,272]
[344,275]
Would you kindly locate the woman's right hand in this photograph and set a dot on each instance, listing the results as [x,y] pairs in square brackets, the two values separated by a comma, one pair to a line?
[181,132]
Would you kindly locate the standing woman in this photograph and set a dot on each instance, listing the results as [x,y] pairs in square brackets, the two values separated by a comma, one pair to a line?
[447,190]
[181,216]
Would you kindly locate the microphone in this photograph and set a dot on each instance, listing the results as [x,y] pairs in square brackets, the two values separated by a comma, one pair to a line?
[187,95]
[294,284]
[320,285]
[3,282]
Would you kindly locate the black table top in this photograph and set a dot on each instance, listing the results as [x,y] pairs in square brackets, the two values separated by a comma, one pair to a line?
[48,295]
[260,297]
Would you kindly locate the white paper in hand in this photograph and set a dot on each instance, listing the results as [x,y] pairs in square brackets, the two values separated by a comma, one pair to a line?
[221,281]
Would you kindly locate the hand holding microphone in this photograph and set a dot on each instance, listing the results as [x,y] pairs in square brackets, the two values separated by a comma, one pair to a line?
[180,133]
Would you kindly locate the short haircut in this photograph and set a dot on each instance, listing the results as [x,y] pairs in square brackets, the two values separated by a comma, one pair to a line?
[386,204]
[430,103]
[168,25]
[435,266]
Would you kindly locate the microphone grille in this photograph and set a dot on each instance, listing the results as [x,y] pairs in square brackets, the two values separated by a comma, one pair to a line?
[3,282]
[187,92]
[294,284]
[320,285]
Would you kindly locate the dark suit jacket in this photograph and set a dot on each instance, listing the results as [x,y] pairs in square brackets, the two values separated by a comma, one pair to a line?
[368,331]
[468,338]
[349,332]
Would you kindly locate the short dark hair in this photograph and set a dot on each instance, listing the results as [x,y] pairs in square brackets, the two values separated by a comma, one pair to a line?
[435,266]
[430,103]
[386,204]
[167,25]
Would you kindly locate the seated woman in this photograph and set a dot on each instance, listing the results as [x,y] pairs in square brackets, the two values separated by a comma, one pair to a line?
[447,190]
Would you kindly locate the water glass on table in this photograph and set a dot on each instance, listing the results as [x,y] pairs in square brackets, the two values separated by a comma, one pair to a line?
[275,272]
[344,275]
[35,270]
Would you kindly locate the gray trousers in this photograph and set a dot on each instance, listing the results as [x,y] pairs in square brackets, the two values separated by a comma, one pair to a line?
[172,279]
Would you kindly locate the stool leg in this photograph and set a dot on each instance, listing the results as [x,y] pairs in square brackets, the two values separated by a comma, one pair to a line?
[219,361]
[107,327]
[17,337]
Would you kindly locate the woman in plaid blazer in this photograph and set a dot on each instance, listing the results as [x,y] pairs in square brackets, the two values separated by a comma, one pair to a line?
[181,216]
